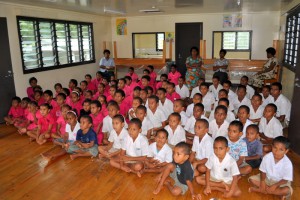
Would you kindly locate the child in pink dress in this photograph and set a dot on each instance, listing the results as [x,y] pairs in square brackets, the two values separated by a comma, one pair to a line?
[16,112]
[31,118]
[112,91]
[96,81]
[133,75]
[119,98]
[102,100]
[171,93]
[100,91]
[90,85]
[75,102]
[174,75]
[163,77]
[97,117]
[48,98]
[61,122]
[30,91]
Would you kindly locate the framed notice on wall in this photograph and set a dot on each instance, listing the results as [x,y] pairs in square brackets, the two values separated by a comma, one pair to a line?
[121,26]
[232,20]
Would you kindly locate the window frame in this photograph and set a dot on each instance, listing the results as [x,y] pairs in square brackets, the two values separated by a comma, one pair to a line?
[293,12]
[67,23]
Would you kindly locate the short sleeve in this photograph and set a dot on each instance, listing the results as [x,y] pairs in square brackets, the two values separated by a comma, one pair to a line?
[234,169]
[288,172]
[189,173]
[194,147]
[79,133]
[112,62]
[101,62]
[92,135]
[259,149]
[163,116]
[10,111]
[208,149]
[145,147]
[277,129]
[260,126]
[263,166]
[169,155]
[105,128]
[111,137]
[209,163]
[244,151]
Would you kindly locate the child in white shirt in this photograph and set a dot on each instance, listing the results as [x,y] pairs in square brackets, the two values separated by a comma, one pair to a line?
[215,87]
[182,89]
[202,147]
[219,126]
[207,98]
[178,107]
[160,154]
[266,96]
[147,126]
[250,91]
[231,95]
[276,171]
[222,171]
[230,115]
[113,109]
[165,104]
[241,98]
[116,138]
[243,116]
[269,127]
[135,103]
[196,99]
[256,109]
[157,117]
[175,130]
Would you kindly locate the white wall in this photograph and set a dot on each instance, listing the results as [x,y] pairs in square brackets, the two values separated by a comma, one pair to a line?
[265,27]
[47,79]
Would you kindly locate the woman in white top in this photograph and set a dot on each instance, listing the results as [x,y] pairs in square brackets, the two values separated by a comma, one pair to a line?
[268,71]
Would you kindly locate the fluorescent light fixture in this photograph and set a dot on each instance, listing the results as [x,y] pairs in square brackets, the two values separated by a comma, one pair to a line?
[154,10]
[116,12]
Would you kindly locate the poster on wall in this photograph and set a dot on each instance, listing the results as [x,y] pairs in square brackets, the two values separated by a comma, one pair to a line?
[121,26]
[170,36]
[232,20]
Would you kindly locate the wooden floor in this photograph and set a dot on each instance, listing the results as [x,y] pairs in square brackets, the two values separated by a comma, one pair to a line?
[23,175]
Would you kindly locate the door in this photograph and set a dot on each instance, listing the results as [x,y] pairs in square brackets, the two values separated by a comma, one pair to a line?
[7,86]
[187,35]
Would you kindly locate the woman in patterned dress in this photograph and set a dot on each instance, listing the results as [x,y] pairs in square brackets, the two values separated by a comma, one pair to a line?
[193,65]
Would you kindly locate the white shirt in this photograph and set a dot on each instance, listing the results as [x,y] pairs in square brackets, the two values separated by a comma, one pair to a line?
[72,133]
[236,103]
[222,171]
[207,101]
[156,118]
[167,107]
[139,147]
[215,91]
[248,122]
[272,129]
[229,118]
[184,118]
[250,91]
[216,131]
[189,110]
[195,91]
[183,92]
[107,63]
[283,169]
[129,116]
[177,136]
[258,114]
[163,155]
[267,100]
[190,124]
[146,126]
[116,139]
[203,148]
[283,106]
[107,125]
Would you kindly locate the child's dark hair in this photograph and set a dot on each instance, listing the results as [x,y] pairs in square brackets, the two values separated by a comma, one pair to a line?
[97,103]
[32,79]
[66,91]
[74,81]
[149,88]
[121,92]
[283,140]
[75,92]
[204,85]
[64,96]
[253,126]
[68,107]
[151,67]
[122,79]
[271,51]
[221,139]
[199,105]
[184,146]
[198,94]
[142,107]
[139,99]
[136,121]
[131,68]
[146,77]
[88,75]
[194,48]
[119,117]
[137,88]
[88,118]
[164,75]
[173,65]
[89,101]
[26,99]
[172,84]
[216,77]
[221,107]
[154,97]
[273,106]
[128,78]
[38,87]
[162,131]
[223,51]
[147,71]
[175,114]
[237,124]
[106,51]
[144,90]
[34,103]
[228,82]
[247,109]
[257,95]
[114,86]
[202,79]
[267,86]
[277,84]
[47,105]
[180,101]
[90,92]
[182,77]
[245,77]
[57,85]
[114,104]
[16,98]
[204,121]
[48,92]
[78,89]
[224,91]
[39,92]
[224,100]
[242,87]
[84,81]
[162,90]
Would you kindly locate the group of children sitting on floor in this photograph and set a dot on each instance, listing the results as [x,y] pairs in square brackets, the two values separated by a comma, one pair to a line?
[143,126]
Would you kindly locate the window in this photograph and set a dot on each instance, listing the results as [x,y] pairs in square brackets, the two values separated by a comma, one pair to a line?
[160,37]
[48,44]
[236,40]
[291,46]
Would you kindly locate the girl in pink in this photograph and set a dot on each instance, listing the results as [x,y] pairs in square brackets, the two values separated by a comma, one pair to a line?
[97,119]
[90,85]
[112,91]
[30,91]
[163,77]
[48,98]
[38,94]
[174,75]
[105,81]
[102,100]
[100,91]
[58,89]
[96,81]
[22,120]
[31,118]
[46,126]
[152,75]
[171,94]
[75,101]
[16,112]
[60,100]
[119,98]
[81,96]
[61,122]
[133,75]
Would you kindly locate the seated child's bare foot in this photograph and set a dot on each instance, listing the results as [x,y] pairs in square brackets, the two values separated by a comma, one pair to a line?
[226,186]
[139,174]
[167,182]
[128,170]
[73,156]
[158,189]
[158,178]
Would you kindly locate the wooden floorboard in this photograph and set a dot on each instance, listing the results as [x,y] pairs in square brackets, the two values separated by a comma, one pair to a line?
[23,175]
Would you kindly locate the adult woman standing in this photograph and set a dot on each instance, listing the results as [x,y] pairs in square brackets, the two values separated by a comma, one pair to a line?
[268,71]
[193,65]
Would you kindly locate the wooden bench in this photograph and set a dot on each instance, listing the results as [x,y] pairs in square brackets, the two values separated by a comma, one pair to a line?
[276,76]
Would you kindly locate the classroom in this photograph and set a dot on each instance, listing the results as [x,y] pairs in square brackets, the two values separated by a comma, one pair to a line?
[152,99]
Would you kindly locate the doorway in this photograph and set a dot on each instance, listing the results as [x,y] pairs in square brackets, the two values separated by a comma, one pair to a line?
[187,35]
[7,85]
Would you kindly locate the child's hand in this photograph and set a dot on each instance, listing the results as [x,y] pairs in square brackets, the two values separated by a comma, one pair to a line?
[207,190]
[271,189]
[196,196]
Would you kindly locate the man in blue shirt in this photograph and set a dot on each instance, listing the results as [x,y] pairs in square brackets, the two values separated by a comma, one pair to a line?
[107,65]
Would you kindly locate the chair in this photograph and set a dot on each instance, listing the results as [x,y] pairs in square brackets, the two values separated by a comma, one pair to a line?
[276,76]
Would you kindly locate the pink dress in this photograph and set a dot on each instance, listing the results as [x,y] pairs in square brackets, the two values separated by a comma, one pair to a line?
[173,77]
[153,76]
[30,118]
[62,122]
[133,76]
[30,93]
[124,107]
[77,106]
[97,120]
[174,96]
[104,110]
[158,85]
[45,121]
[91,86]
[16,112]
[96,82]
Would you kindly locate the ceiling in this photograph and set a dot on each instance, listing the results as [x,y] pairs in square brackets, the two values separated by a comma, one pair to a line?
[132,7]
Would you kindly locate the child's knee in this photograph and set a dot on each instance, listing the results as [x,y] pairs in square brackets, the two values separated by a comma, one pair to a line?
[176,191]
[138,167]
[201,168]
[200,180]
